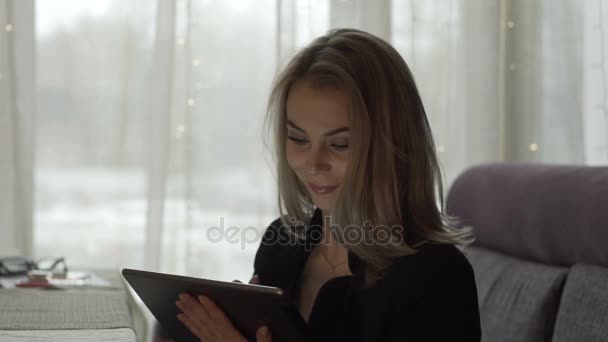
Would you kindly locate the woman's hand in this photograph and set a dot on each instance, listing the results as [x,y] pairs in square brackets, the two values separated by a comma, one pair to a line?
[209,323]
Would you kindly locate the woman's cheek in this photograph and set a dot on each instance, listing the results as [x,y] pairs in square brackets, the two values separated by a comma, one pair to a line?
[293,158]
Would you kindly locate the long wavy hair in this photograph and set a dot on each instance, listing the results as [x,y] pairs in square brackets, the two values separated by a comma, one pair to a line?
[393,170]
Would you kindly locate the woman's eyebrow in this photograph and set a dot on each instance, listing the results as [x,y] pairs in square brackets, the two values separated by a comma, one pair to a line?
[332,132]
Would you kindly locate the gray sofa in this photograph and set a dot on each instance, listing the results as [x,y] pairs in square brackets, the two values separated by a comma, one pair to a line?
[541,254]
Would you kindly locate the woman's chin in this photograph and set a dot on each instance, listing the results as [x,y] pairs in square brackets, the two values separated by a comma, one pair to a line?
[323,206]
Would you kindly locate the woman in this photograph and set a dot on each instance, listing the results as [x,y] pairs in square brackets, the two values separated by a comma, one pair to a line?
[361,246]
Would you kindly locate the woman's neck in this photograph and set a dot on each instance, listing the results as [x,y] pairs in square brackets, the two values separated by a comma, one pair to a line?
[332,247]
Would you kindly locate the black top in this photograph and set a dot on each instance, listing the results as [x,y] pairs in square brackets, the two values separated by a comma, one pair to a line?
[427,296]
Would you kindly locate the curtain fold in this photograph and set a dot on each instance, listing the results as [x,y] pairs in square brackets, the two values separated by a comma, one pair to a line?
[158,113]
[17,106]
[594,90]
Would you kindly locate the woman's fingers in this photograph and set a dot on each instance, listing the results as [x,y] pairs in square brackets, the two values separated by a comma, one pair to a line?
[195,312]
[255,280]
[216,314]
[263,334]
[206,320]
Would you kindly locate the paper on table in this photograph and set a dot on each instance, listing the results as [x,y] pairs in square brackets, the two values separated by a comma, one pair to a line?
[11,282]
[80,279]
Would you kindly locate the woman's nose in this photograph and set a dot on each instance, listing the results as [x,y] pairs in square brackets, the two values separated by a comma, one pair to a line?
[316,163]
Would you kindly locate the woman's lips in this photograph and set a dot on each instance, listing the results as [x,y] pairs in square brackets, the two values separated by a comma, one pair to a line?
[321,190]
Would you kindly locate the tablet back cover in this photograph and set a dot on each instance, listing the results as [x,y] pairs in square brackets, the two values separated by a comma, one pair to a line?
[247,306]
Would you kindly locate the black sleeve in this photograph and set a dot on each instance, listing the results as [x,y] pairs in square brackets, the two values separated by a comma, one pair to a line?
[277,257]
[266,252]
[446,310]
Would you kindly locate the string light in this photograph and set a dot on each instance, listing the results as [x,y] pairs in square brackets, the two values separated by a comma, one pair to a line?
[196,62]
[510,24]
[191,102]
[440,149]
[9,28]
[181,41]
[533,147]
[180,131]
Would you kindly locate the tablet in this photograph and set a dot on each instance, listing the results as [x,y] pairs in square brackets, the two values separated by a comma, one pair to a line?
[248,306]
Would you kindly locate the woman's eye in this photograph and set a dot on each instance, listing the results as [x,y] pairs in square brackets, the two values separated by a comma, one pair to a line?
[297,141]
[340,147]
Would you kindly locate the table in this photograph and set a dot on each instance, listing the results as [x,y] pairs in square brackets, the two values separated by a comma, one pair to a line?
[111,314]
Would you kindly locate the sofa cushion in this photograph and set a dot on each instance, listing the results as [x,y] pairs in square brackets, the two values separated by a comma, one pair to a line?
[518,299]
[553,214]
[583,312]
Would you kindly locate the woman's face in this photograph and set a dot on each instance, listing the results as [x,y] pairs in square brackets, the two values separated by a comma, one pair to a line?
[318,140]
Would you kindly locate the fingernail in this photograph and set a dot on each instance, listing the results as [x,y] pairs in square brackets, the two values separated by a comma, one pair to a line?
[182,296]
[264,331]
[202,299]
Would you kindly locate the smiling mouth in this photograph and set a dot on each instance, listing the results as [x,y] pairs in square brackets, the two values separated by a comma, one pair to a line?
[321,190]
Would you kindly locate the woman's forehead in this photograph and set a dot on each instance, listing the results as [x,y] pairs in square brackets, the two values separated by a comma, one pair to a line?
[322,108]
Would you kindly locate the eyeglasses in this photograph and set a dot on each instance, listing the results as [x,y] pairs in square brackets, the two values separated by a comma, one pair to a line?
[12,266]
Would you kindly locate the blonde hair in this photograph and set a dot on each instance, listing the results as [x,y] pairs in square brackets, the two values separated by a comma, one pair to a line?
[393,163]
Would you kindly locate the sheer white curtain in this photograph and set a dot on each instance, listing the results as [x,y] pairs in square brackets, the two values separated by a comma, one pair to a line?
[17,106]
[130,130]
[509,80]
[146,132]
